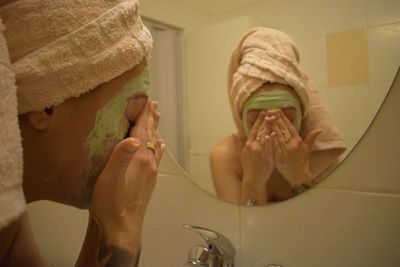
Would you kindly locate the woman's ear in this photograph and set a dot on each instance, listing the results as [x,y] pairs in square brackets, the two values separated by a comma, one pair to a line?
[40,120]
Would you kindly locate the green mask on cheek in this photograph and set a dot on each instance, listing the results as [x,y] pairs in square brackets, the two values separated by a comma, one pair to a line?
[272,100]
[111,125]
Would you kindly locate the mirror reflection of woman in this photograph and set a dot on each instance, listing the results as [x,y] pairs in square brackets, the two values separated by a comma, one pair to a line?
[286,140]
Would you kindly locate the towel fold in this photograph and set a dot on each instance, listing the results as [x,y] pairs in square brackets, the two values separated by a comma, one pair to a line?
[267,55]
[62,49]
[12,201]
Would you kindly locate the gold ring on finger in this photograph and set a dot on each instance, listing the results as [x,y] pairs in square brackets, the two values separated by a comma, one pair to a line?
[286,136]
[152,147]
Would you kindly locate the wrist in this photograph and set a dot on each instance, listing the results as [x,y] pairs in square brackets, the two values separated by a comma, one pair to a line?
[122,232]
[302,183]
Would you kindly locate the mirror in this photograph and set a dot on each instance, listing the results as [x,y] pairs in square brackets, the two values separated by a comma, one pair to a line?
[349,48]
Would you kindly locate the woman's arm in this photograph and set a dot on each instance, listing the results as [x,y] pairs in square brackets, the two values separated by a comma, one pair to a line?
[241,168]
[18,245]
[121,195]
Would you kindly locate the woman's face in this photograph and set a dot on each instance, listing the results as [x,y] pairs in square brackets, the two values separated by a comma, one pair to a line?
[288,111]
[90,126]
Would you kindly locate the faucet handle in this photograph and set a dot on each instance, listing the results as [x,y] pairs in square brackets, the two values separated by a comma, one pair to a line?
[218,244]
[198,256]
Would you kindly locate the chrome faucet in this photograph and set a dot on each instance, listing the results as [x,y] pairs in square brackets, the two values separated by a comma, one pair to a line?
[219,251]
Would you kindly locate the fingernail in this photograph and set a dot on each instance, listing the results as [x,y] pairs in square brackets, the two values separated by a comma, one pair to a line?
[132,145]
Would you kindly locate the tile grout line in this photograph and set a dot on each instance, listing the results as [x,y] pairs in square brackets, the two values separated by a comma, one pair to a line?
[359,192]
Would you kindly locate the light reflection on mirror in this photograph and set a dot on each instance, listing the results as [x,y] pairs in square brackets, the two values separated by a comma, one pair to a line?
[349,48]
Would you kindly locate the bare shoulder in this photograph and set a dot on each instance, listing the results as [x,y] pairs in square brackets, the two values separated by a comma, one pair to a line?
[225,150]
[225,158]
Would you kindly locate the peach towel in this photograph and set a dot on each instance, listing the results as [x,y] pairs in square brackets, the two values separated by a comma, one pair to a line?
[62,49]
[267,55]
[12,200]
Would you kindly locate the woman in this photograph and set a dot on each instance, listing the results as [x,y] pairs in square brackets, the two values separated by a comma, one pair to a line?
[286,139]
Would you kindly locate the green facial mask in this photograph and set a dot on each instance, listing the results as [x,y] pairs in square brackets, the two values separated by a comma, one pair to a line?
[111,124]
[273,99]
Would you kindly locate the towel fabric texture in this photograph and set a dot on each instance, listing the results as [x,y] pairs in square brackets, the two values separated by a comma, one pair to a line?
[12,201]
[266,55]
[62,49]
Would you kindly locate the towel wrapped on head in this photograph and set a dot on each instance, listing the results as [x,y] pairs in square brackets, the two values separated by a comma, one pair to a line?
[62,49]
[265,55]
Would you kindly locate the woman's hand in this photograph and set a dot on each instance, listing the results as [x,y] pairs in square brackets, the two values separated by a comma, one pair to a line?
[257,161]
[124,188]
[291,153]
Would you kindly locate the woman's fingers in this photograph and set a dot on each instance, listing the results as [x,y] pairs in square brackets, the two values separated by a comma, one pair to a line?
[160,148]
[276,145]
[151,124]
[254,130]
[287,124]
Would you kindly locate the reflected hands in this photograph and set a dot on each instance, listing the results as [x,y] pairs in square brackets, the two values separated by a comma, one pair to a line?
[257,160]
[291,153]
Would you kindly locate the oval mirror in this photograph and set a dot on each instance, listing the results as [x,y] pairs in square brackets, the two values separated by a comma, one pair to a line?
[349,48]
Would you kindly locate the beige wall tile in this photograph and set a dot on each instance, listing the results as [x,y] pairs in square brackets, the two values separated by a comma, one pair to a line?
[323,228]
[347,58]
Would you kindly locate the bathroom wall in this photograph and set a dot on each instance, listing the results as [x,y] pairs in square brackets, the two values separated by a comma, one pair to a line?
[350,219]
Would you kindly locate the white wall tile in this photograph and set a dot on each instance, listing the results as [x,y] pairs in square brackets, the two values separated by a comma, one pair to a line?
[177,201]
[168,165]
[313,58]
[378,94]
[199,171]
[173,12]
[350,107]
[382,11]
[323,228]
[373,165]
[312,17]
[59,231]
[384,52]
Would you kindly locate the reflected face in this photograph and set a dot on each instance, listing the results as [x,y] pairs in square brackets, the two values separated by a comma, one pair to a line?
[290,112]
[101,119]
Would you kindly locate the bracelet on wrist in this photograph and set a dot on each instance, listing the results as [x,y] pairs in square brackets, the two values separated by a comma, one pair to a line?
[299,189]
[251,202]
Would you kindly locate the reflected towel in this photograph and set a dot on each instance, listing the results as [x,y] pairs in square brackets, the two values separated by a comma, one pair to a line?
[267,55]
[12,201]
[62,49]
